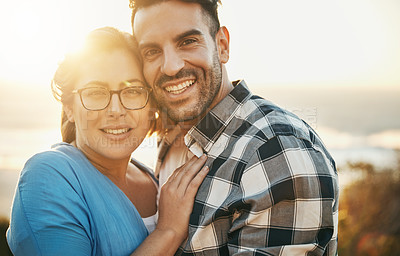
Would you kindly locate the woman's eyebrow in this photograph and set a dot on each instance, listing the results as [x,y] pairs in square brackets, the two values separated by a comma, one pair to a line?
[132,81]
[96,82]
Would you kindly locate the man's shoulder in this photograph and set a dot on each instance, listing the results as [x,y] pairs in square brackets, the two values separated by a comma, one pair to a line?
[263,124]
[272,120]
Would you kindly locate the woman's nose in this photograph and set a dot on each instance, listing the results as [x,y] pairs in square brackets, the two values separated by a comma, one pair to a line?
[116,108]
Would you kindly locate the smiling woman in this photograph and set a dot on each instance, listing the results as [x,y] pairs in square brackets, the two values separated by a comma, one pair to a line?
[70,197]
[35,36]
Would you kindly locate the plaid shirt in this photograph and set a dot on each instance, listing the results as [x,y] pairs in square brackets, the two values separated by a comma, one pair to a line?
[272,188]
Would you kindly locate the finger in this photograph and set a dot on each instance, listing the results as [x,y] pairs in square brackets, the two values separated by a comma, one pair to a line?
[195,183]
[175,178]
[190,172]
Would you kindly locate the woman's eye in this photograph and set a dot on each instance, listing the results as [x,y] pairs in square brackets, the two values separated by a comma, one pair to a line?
[132,92]
[97,93]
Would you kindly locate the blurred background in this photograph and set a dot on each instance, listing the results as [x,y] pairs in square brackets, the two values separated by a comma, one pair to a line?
[336,64]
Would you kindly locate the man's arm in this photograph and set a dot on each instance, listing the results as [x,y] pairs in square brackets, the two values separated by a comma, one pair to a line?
[289,202]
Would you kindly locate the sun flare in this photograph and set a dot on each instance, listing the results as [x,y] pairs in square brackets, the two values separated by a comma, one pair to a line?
[39,33]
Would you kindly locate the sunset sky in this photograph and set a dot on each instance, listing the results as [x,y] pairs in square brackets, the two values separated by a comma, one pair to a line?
[338,60]
[290,42]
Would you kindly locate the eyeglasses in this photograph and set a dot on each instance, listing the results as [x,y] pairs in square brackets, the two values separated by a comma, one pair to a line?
[98,98]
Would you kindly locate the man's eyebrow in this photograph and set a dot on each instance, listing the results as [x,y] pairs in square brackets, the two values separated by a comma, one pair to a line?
[147,45]
[192,32]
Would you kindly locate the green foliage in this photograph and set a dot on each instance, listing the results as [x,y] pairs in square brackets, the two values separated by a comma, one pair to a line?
[368,213]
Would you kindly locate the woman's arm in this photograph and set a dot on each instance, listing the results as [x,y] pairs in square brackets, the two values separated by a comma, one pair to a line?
[175,206]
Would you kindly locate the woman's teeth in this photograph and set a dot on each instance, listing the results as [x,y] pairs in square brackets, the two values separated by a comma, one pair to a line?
[177,89]
[116,131]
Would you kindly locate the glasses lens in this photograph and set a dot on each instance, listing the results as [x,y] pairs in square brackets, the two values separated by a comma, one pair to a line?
[134,98]
[95,98]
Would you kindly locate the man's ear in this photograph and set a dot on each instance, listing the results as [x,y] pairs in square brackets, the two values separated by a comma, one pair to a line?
[222,40]
[69,112]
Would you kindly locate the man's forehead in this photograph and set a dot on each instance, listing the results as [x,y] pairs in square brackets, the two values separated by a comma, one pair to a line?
[166,8]
[172,17]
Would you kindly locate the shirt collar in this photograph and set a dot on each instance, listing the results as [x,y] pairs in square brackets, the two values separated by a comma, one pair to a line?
[201,137]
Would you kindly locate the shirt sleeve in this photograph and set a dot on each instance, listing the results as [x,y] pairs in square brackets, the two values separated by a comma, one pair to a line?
[288,202]
[49,215]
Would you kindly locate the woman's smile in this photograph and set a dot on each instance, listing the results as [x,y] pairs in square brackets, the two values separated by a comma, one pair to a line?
[120,133]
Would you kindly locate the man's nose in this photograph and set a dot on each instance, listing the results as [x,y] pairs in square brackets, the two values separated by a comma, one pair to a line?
[173,62]
[116,108]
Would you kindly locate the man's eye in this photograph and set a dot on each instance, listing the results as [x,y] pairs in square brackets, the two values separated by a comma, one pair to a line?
[150,53]
[188,41]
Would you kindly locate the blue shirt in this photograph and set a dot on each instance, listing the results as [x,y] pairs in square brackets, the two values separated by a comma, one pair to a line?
[64,206]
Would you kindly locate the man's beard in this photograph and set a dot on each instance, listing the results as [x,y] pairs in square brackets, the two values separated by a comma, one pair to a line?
[211,83]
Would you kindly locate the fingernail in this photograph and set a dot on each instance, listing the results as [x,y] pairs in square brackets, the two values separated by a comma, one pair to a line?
[206,169]
[203,156]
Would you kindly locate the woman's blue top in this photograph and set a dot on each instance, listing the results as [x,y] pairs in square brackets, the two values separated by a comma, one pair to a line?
[64,206]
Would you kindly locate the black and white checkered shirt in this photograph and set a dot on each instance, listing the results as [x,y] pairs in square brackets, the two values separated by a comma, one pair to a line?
[272,188]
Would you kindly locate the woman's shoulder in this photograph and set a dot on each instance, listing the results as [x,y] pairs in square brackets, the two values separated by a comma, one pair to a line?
[60,153]
[49,200]
[57,163]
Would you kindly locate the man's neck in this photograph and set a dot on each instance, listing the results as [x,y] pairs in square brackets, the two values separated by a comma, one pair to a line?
[225,89]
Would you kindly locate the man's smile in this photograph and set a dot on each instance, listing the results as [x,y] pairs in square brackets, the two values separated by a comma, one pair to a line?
[179,88]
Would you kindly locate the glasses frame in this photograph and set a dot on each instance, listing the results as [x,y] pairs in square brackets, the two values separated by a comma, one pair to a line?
[112,92]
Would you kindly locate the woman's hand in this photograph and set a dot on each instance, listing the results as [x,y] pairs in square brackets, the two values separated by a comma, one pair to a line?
[177,197]
[175,206]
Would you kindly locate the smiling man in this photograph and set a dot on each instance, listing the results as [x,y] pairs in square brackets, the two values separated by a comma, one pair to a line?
[183,59]
[272,187]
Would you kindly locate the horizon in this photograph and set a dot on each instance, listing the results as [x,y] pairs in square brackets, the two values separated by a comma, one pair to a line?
[345,118]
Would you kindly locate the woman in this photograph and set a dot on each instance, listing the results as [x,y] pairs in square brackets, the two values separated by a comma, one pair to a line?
[85,196]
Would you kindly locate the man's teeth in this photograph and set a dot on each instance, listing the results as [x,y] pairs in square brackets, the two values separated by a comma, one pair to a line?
[176,89]
[116,131]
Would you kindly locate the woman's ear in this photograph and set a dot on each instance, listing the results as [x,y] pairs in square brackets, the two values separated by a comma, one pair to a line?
[69,112]
[222,40]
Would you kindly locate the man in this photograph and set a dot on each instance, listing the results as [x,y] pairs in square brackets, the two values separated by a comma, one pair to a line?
[272,186]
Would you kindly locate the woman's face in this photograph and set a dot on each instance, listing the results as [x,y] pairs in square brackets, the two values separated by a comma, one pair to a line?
[114,132]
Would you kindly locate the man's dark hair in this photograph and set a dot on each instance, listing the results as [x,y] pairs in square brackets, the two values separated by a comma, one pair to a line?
[209,7]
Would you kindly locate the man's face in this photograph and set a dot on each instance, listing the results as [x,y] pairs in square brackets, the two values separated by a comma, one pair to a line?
[180,57]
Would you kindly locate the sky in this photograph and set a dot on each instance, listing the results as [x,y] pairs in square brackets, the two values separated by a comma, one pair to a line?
[349,43]
[334,63]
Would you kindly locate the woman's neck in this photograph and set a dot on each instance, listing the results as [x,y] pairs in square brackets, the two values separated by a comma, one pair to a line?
[114,169]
